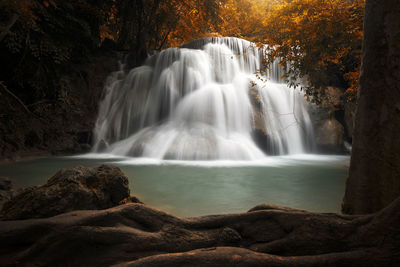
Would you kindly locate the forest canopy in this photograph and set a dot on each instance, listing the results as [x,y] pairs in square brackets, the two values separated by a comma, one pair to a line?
[41,40]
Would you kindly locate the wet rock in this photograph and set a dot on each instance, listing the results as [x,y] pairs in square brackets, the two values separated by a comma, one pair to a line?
[265,143]
[130,199]
[333,121]
[102,146]
[229,236]
[5,183]
[6,191]
[329,137]
[79,188]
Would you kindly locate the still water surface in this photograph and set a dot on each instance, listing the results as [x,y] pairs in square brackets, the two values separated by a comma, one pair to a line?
[310,182]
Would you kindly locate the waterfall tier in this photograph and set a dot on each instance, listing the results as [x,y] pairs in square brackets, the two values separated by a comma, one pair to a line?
[202,101]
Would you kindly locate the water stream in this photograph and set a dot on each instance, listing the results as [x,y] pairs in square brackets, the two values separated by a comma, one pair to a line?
[203,101]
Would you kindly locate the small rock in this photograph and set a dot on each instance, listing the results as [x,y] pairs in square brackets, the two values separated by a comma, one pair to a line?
[229,236]
[329,137]
[6,191]
[5,184]
[130,199]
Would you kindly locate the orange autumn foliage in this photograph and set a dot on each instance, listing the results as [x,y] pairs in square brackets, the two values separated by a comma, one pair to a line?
[244,18]
[192,19]
[319,39]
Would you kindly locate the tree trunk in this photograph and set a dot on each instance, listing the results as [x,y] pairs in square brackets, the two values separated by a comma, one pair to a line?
[374,179]
[138,51]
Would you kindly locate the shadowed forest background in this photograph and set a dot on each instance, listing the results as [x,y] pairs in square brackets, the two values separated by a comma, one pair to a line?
[43,41]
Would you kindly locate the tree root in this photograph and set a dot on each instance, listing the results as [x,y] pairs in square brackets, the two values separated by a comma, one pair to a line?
[137,235]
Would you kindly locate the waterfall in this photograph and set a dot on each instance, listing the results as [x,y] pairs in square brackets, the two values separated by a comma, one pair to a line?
[202,101]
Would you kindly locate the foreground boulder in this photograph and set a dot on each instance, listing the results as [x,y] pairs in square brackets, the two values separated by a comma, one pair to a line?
[137,235]
[79,188]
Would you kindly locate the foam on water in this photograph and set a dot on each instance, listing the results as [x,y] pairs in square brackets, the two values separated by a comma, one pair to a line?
[273,161]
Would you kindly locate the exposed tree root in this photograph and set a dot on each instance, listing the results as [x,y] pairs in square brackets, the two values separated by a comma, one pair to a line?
[137,235]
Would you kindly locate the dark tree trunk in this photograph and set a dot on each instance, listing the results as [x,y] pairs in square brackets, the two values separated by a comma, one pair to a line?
[374,179]
[133,31]
[138,49]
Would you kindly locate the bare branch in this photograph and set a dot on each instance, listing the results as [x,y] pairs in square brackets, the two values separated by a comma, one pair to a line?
[7,29]
[16,98]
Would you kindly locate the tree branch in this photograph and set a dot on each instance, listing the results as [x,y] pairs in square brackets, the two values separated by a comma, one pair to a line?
[7,29]
[16,98]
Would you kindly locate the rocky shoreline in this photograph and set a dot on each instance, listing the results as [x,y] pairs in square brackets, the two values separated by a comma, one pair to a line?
[96,223]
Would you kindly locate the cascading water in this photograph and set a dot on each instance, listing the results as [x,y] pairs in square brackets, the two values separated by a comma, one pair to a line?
[202,101]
